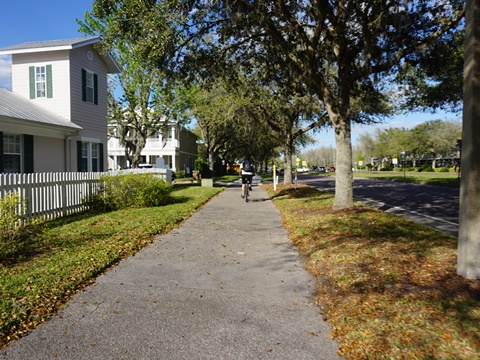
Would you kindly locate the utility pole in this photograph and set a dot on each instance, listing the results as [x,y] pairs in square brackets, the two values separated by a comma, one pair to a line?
[469,218]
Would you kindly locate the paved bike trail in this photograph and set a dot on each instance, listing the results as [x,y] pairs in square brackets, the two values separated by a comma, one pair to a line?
[226,284]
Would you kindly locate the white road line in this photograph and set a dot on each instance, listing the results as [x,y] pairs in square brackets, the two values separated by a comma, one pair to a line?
[368,201]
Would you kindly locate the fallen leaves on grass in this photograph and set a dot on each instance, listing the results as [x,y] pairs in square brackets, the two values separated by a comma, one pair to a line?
[389,286]
[67,254]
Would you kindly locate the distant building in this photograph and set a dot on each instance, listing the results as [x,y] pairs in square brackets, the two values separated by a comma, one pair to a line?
[55,117]
[176,146]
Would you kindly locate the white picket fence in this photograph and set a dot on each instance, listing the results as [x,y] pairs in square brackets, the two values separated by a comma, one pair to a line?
[53,195]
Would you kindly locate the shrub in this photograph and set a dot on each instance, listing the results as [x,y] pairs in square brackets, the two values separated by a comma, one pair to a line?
[180,174]
[442,169]
[12,208]
[424,168]
[131,190]
[202,166]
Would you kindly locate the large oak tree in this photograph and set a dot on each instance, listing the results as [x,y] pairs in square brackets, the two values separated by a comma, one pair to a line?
[341,50]
[141,101]
[338,50]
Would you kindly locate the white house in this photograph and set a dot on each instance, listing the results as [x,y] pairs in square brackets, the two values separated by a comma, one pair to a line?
[176,146]
[55,117]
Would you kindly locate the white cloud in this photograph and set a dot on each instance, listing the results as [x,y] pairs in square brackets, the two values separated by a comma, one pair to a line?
[6,71]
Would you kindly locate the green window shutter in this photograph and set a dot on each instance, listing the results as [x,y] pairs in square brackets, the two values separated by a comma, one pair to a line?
[33,91]
[84,85]
[95,89]
[49,82]
[79,156]
[1,152]
[28,154]
[101,157]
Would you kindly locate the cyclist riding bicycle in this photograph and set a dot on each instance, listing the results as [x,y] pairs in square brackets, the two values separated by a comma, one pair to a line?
[248,171]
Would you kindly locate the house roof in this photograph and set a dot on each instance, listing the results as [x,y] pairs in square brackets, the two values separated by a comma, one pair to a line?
[55,45]
[15,109]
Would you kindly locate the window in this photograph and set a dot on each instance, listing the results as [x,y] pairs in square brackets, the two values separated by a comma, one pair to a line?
[90,157]
[40,81]
[83,166]
[95,157]
[41,85]
[89,87]
[12,153]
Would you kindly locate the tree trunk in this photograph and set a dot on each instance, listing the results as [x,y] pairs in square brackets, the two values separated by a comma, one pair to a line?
[469,217]
[287,175]
[136,157]
[133,149]
[136,152]
[211,162]
[344,173]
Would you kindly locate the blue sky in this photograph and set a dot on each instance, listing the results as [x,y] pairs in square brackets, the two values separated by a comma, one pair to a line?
[32,20]
[326,138]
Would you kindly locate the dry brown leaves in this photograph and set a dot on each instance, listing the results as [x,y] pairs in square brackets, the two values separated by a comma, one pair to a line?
[389,287]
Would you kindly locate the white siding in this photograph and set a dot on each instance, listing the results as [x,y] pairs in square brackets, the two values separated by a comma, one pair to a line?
[60,103]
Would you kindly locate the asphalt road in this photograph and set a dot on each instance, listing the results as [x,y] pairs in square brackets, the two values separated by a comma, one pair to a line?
[435,206]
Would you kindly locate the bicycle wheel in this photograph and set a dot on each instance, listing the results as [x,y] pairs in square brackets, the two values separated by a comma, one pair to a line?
[247,192]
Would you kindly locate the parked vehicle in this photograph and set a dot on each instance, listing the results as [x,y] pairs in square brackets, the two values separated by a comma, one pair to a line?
[321,169]
[145,166]
[331,169]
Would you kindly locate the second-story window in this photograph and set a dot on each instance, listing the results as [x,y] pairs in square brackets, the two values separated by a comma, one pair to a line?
[89,87]
[41,82]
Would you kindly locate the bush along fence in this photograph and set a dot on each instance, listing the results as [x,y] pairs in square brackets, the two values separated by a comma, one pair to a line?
[52,195]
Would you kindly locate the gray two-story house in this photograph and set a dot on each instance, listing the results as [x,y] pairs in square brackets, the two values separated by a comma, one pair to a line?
[55,117]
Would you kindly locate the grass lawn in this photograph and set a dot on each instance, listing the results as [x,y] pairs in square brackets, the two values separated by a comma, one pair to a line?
[223,179]
[65,255]
[228,178]
[388,286]
[429,178]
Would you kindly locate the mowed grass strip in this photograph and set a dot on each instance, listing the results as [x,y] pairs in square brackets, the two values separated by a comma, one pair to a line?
[67,254]
[428,178]
[388,286]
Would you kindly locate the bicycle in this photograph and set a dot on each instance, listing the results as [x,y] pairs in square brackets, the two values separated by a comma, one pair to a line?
[247,190]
